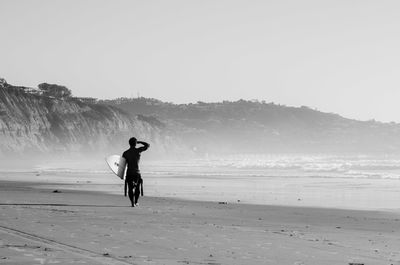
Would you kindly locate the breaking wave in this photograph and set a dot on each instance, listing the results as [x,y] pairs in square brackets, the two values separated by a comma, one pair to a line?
[331,166]
[253,165]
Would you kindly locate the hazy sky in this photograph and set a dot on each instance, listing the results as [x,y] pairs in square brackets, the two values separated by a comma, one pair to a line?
[336,56]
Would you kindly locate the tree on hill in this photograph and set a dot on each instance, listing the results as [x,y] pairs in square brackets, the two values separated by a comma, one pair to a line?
[3,82]
[53,90]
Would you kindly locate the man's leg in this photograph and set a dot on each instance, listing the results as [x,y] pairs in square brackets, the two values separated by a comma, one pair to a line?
[137,192]
[131,186]
[137,180]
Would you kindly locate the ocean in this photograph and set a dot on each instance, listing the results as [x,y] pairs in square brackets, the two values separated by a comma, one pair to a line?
[349,182]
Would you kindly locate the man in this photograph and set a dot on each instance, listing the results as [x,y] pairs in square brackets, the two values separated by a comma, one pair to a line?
[133,177]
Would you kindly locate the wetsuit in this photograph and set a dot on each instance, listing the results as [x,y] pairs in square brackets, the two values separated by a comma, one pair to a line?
[133,178]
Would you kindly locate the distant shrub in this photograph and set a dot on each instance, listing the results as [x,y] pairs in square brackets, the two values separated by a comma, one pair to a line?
[3,82]
[53,90]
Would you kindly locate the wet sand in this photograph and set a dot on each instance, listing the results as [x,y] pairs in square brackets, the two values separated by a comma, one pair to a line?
[40,226]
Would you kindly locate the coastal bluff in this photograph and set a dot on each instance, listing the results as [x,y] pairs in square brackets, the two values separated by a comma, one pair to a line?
[32,122]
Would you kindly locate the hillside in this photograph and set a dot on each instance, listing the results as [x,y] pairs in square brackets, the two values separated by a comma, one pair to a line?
[260,127]
[33,123]
[49,120]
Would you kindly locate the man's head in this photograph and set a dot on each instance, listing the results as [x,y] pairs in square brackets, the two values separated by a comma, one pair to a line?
[132,142]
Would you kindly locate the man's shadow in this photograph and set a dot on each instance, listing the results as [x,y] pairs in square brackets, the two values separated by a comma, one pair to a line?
[58,205]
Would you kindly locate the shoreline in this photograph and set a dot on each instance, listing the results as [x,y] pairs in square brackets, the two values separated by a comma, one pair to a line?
[39,225]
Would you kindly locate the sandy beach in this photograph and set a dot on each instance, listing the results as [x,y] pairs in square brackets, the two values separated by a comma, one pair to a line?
[41,226]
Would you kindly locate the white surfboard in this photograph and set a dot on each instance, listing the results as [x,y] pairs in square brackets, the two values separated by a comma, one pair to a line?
[117,165]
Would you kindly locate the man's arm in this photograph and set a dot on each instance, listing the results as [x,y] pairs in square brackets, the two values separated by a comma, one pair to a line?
[144,147]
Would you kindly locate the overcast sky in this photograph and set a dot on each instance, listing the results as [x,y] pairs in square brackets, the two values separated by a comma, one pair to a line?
[336,56]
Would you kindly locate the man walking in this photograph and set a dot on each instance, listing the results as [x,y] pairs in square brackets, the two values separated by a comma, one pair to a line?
[133,178]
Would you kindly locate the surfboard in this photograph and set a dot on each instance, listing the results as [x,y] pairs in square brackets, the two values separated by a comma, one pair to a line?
[117,165]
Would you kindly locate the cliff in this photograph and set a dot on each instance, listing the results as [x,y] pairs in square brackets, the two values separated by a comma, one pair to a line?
[31,123]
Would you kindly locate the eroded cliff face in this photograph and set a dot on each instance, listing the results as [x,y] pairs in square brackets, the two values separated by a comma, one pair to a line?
[32,124]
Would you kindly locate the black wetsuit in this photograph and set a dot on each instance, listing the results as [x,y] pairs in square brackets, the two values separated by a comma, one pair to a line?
[133,178]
